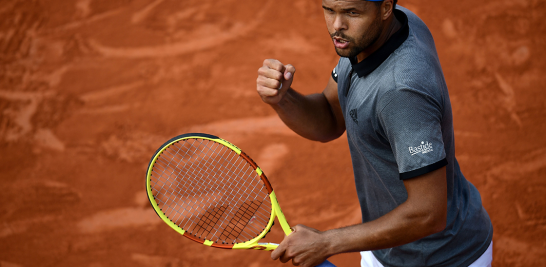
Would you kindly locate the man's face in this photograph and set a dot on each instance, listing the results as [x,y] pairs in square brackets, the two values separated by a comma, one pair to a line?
[354,25]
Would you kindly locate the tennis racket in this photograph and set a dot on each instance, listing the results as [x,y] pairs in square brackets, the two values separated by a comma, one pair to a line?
[211,192]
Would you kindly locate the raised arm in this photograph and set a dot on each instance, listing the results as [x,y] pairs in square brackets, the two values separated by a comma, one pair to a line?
[316,117]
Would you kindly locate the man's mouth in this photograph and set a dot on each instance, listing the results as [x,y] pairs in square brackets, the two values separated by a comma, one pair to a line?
[340,43]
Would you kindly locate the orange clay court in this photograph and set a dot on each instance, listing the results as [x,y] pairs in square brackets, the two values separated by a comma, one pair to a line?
[89,89]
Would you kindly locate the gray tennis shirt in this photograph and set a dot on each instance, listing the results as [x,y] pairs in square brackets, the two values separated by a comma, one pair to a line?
[399,125]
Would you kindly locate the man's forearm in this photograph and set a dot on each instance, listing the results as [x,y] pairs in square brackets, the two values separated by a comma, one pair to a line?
[398,227]
[422,214]
[309,116]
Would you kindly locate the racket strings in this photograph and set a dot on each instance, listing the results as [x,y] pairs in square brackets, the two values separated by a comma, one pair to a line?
[238,222]
[174,172]
[229,227]
[210,191]
[194,188]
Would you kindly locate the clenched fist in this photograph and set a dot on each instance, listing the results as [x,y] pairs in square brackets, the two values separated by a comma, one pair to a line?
[273,81]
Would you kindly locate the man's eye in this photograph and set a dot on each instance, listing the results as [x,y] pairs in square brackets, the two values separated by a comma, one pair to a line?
[352,13]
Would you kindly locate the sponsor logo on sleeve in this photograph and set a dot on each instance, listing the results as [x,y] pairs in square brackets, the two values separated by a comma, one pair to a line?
[423,148]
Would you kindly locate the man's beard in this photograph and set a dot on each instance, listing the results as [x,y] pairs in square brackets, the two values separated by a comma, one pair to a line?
[365,40]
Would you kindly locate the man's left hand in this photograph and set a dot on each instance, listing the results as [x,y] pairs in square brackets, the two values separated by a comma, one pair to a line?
[305,246]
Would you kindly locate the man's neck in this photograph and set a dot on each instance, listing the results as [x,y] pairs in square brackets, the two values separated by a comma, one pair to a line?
[392,26]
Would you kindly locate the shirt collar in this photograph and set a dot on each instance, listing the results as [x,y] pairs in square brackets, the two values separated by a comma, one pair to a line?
[369,64]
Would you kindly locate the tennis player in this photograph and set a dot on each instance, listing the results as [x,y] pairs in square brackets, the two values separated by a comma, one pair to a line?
[389,94]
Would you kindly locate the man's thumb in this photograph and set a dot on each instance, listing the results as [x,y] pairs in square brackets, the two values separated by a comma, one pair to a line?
[289,72]
[287,75]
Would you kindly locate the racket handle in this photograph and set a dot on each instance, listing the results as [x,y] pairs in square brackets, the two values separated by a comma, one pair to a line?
[326,264]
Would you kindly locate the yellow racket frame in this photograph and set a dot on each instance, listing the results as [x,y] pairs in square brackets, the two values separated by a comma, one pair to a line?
[275,208]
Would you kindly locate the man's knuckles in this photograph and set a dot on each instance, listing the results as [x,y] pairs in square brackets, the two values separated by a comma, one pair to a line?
[273,74]
[269,83]
[274,64]
[267,92]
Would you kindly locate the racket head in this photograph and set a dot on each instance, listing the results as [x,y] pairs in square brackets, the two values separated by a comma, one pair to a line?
[211,192]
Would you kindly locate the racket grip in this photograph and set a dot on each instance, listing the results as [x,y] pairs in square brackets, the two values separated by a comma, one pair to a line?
[326,264]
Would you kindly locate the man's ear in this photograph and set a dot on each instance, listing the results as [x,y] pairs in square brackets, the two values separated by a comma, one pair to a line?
[386,9]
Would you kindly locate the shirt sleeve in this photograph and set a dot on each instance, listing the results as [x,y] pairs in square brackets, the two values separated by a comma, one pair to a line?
[412,122]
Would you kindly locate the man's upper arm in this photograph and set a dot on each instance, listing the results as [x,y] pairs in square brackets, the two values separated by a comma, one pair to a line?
[330,92]
[412,122]
[427,197]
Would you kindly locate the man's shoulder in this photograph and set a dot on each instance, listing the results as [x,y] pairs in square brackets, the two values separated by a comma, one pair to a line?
[415,64]
[416,24]
[419,45]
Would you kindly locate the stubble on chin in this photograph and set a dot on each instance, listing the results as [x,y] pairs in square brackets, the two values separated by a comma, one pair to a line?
[348,53]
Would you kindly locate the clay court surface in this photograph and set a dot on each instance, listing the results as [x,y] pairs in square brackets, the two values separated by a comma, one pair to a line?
[89,89]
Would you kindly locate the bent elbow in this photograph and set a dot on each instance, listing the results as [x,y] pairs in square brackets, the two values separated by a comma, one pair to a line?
[440,225]
[437,223]
[334,134]
[327,138]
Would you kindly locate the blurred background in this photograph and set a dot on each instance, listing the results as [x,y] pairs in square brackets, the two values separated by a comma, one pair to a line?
[89,89]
